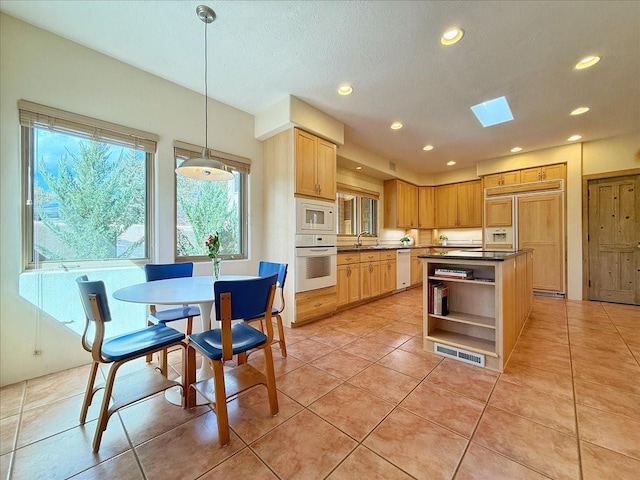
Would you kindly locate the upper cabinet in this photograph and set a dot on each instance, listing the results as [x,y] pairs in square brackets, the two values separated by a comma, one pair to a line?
[426,208]
[400,204]
[526,175]
[315,166]
[498,179]
[458,205]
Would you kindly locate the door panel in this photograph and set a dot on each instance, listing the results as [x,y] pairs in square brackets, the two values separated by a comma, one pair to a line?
[614,240]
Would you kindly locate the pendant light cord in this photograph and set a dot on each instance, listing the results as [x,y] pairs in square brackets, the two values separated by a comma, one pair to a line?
[206,95]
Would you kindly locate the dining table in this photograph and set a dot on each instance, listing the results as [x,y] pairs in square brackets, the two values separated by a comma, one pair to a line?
[179,291]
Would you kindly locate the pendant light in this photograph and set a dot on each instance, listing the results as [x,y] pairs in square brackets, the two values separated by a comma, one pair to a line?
[205,167]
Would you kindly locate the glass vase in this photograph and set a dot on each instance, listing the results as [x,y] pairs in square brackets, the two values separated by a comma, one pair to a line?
[216,268]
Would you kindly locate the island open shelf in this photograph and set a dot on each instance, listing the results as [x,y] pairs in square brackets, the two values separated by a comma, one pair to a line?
[486,310]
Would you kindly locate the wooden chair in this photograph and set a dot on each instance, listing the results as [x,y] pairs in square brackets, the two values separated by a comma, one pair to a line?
[117,351]
[163,271]
[235,300]
[264,270]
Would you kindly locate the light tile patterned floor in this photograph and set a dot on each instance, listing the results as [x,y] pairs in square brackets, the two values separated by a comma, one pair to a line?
[360,399]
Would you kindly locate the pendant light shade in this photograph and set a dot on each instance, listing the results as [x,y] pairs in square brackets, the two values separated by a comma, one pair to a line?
[205,167]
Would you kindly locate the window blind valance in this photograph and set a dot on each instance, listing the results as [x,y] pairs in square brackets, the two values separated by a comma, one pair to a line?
[40,116]
[360,192]
[185,151]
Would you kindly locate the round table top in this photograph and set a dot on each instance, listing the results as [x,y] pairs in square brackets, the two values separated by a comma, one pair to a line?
[173,291]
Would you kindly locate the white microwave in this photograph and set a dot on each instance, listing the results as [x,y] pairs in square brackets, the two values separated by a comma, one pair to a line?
[315,216]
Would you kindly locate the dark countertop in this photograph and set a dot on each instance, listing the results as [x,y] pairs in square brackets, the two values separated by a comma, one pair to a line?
[487,255]
[367,248]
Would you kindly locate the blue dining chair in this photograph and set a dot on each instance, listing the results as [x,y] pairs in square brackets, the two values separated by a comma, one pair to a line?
[234,300]
[163,271]
[264,270]
[117,351]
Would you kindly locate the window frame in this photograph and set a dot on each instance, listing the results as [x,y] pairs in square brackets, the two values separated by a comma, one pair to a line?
[237,164]
[34,116]
[360,194]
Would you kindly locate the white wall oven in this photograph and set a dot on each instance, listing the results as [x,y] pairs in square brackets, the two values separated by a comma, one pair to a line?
[316,261]
[315,216]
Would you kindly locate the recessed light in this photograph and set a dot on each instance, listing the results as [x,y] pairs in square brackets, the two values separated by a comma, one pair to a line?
[493,112]
[587,62]
[451,36]
[358,168]
[451,163]
[580,111]
[573,138]
[427,148]
[516,149]
[345,89]
[396,125]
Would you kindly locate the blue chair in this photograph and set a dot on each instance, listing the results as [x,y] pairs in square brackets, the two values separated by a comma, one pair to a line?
[235,300]
[117,351]
[163,271]
[264,270]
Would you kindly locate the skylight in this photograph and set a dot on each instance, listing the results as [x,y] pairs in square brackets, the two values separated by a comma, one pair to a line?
[493,112]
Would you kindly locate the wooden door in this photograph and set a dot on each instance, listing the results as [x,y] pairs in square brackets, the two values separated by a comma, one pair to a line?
[499,212]
[446,200]
[531,175]
[306,154]
[540,227]
[426,208]
[469,204]
[511,178]
[614,239]
[326,169]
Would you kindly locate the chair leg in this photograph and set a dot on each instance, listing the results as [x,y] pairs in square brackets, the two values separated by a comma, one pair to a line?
[242,358]
[164,362]
[88,395]
[221,403]
[149,358]
[188,377]
[103,418]
[271,380]
[281,341]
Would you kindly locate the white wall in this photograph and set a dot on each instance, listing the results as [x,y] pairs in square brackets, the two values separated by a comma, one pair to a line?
[611,154]
[38,66]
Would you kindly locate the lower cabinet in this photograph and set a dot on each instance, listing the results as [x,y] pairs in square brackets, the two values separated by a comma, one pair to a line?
[348,282]
[365,275]
[369,274]
[388,274]
[315,303]
[416,265]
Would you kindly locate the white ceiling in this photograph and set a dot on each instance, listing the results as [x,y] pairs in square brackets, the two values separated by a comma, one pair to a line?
[262,51]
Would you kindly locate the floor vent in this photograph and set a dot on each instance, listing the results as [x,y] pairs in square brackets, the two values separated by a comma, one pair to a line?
[459,354]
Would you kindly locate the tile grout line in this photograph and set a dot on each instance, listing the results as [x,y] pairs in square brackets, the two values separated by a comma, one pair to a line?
[575,398]
[15,437]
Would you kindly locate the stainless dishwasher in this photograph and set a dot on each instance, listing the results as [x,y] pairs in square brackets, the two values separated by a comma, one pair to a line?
[403,270]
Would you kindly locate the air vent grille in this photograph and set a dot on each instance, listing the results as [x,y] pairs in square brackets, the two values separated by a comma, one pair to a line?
[392,166]
[459,354]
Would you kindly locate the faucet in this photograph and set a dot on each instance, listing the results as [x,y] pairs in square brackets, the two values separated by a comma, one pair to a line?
[358,241]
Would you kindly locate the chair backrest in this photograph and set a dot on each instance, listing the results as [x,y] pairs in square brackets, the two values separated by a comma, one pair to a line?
[163,271]
[269,268]
[96,287]
[249,298]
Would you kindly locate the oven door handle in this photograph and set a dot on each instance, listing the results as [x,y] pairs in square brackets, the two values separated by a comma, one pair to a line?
[318,249]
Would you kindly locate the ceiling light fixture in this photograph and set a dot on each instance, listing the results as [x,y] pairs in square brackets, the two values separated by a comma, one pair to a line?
[573,138]
[516,149]
[451,163]
[427,148]
[205,167]
[396,125]
[451,36]
[358,167]
[345,89]
[587,62]
[580,111]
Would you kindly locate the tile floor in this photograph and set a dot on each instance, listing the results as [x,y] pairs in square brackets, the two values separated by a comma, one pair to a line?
[360,399]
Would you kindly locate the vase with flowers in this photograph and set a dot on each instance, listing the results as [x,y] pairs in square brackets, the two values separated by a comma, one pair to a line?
[213,248]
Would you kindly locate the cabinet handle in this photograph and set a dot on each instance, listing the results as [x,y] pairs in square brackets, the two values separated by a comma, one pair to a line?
[544,175]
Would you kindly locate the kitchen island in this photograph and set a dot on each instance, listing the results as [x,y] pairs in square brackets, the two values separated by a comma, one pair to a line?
[487,298]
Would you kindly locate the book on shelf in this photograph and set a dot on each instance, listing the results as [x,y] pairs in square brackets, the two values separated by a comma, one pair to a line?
[432,286]
[441,300]
[449,272]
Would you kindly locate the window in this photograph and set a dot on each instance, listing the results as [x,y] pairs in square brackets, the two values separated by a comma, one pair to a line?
[87,195]
[357,211]
[204,208]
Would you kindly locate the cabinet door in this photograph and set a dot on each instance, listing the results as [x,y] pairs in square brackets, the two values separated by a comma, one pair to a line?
[365,281]
[306,154]
[511,178]
[494,180]
[554,172]
[354,283]
[388,276]
[416,270]
[469,204]
[326,170]
[446,201]
[426,208]
[407,205]
[531,175]
[342,284]
[540,227]
[499,212]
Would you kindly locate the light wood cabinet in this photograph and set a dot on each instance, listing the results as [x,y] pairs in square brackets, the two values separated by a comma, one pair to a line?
[499,212]
[315,303]
[315,166]
[416,265]
[369,280]
[458,205]
[348,278]
[499,179]
[426,207]
[400,204]
[548,172]
[388,271]
[485,316]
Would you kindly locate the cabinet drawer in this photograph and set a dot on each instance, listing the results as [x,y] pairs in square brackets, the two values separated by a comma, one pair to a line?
[418,251]
[316,303]
[388,255]
[346,258]
[369,256]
